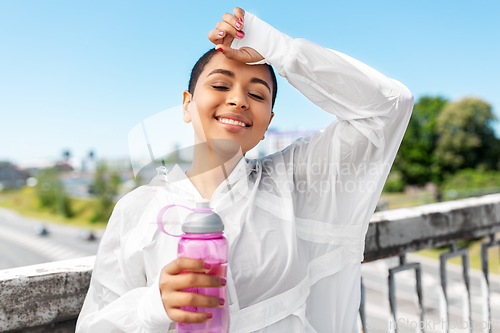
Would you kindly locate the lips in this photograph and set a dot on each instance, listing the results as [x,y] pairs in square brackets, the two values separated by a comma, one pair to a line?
[227,117]
[232,122]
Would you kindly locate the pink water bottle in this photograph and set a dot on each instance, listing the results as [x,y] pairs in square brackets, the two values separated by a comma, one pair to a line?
[203,239]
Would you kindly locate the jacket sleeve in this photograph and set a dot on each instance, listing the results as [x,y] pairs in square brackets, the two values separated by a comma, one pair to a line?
[338,173]
[117,302]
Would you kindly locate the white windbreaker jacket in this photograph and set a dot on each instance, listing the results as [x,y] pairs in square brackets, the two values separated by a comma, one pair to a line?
[295,220]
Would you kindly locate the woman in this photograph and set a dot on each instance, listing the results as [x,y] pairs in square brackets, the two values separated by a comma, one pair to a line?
[295,220]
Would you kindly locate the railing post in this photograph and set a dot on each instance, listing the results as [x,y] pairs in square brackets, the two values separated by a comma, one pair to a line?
[362,313]
[454,252]
[485,283]
[403,265]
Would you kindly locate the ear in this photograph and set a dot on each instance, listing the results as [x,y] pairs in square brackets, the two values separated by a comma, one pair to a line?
[272,115]
[186,99]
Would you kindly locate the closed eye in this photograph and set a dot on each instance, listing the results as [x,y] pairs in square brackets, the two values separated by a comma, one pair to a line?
[224,88]
[257,96]
[220,87]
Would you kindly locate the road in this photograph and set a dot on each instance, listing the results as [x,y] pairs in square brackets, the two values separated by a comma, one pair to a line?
[20,246]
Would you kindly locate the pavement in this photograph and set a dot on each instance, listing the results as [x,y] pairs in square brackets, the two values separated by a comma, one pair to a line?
[375,279]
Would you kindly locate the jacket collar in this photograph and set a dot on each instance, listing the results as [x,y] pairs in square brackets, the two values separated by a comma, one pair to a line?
[179,179]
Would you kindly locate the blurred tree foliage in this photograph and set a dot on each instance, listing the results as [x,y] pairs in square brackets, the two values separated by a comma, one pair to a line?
[51,193]
[416,161]
[466,137]
[472,179]
[394,183]
[443,138]
[105,187]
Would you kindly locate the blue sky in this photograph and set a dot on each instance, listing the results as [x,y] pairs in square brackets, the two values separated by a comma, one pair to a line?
[80,75]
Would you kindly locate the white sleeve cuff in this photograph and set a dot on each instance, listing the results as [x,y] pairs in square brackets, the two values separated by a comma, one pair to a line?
[151,312]
[272,44]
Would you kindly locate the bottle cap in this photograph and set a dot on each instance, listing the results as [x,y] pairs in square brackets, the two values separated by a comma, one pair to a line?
[202,203]
[203,219]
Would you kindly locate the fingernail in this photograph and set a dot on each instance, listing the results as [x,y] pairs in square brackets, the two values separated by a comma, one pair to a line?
[220,50]
[207,265]
[222,301]
[209,315]
[238,25]
[223,281]
[221,33]
[240,34]
[241,19]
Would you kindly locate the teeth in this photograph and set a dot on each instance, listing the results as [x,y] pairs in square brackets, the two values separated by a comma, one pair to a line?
[232,122]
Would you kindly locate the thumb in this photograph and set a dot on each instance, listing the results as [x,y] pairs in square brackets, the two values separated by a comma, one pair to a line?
[227,51]
[245,54]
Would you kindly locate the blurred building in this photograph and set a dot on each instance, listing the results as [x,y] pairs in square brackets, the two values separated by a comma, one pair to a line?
[89,163]
[278,140]
[11,176]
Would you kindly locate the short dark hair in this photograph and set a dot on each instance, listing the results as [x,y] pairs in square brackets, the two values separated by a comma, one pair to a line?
[203,61]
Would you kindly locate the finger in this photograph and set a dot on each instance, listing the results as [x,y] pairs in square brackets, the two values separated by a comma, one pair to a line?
[190,280]
[230,30]
[217,36]
[180,298]
[182,316]
[239,14]
[186,264]
[233,21]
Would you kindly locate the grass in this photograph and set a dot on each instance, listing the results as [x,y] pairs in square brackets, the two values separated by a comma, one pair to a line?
[422,197]
[474,255]
[26,203]
[401,200]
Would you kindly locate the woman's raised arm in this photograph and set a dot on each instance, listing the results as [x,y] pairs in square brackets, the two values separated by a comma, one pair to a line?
[338,173]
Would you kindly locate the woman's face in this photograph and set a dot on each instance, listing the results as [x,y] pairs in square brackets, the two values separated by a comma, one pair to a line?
[232,101]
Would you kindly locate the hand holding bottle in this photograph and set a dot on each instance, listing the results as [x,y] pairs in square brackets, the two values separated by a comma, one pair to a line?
[172,284]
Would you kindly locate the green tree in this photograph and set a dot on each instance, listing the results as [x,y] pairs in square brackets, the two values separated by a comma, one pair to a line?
[466,137]
[105,187]
[416,162]
[51,193]
[467,179]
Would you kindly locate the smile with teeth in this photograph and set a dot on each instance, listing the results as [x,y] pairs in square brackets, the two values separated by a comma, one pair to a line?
[232,122]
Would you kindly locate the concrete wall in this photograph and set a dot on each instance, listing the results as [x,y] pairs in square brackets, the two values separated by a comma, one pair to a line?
[45,297]
[397,231]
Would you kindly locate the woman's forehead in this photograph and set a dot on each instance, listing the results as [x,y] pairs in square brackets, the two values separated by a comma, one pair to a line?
[236,68]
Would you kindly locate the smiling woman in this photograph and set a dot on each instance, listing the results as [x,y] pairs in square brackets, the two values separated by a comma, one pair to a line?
[295,221]
[228,100]
[231,90]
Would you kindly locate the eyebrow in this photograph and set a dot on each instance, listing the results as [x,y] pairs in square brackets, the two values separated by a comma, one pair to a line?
[231,74]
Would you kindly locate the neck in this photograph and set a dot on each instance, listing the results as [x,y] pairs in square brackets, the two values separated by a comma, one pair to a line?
[212,163]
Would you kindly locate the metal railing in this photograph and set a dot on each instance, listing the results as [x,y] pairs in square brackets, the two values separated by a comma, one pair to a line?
[48,297]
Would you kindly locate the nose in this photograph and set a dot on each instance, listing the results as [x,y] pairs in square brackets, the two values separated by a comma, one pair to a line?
[237,98]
